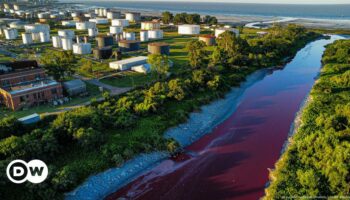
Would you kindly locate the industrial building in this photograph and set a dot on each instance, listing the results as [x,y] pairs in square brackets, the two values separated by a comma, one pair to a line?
[74,87]
[127,64]
[24,83]
[189,29]
[159,48]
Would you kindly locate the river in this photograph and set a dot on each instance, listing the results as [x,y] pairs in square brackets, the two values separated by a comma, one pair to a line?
[232,161]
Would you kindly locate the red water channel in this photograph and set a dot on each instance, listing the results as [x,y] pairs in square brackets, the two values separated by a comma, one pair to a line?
[232,161]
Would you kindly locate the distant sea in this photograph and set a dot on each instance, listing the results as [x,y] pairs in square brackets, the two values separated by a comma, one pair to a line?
[230,9]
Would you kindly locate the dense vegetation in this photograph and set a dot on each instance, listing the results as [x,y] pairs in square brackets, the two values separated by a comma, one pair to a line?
[185,18]
[317,161]
[87,140]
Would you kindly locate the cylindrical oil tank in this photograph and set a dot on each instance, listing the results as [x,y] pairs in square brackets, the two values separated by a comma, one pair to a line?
[209,40]
[66,33]
[103,53]
[27,38]
[120,22]
[104,40]
[36,28]
[115,29]
[44,36]
[43,15]
[155,34]
[188,29]
[133,16]
[35,36]
[113,15]
[151,25]
[159,48]
[68,23]
[85,25]
[97,11]
[129,35]
[10,33]
[129,45]
[144,36]
[82,48]
[56,41]
[92,32]
[67,43]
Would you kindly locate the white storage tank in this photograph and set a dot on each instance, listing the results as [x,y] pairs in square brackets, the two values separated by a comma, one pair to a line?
[44,36]
[85,25]
[82,48]
[150,25]
[115,29]
[129,35]
[92,32]
[27,38]
[120,22]
[133,16]
[10,33]
[56,41]
[113,15]
[44,15]
[219,31]
[67,43]
[66,33]
[35,36]
[99,20]
[69,23]
[97,11]
[144,36]
[155,34]
[189,29]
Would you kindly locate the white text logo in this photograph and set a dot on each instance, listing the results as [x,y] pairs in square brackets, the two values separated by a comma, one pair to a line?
[35,171]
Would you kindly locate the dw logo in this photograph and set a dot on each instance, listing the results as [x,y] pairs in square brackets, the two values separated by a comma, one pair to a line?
[35,171]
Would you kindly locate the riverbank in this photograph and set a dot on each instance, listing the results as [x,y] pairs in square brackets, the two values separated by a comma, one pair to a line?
[315,162]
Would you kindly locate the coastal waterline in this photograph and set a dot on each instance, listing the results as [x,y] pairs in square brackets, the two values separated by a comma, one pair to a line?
[232,161]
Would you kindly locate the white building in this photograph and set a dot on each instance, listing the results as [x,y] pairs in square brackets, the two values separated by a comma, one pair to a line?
[155,34]
[120,22]
[10,33]
[82,48]
[127,64]
[189,29]
[219,31]
[99,20]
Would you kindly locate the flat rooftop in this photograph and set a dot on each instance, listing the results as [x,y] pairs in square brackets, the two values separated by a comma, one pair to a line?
[31,86]
[131,60]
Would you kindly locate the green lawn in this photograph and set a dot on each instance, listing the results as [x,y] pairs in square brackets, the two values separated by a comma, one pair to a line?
[129,79]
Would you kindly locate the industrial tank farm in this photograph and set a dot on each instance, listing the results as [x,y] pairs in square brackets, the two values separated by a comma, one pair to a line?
[159,48]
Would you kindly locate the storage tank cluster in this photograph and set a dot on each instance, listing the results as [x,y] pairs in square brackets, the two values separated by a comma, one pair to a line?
[99,20]
[128,45]
[219,31]
[36,28]
[209,40]
[85,25]
[38,32]
[113,15]
[133,16]
[151,25]
[129,36]
[104,40]
[155,34]
[159,48]
[10,33]
[102,12]
[189,29]
[116,29]
[120,22]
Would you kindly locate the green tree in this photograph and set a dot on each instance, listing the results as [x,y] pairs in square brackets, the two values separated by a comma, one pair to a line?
[167,17]
[197,54]
[58,63]
[159,64]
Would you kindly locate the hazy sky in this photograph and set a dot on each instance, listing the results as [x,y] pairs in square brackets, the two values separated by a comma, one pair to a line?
[263,1]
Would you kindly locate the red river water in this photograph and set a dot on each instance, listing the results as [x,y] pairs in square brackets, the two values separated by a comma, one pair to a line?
[232,161]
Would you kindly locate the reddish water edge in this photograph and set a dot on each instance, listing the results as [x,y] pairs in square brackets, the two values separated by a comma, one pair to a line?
[232,161]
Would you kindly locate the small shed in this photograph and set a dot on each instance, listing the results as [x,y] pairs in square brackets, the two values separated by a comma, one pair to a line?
[74,87]
[30,119]
[128,63]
